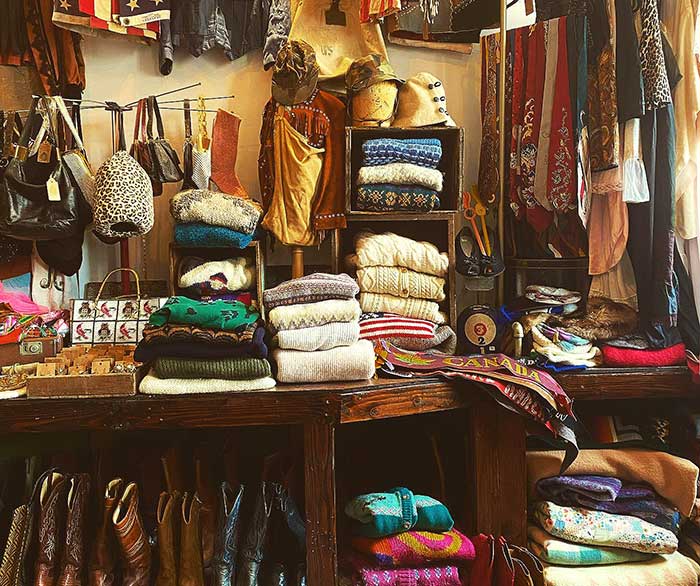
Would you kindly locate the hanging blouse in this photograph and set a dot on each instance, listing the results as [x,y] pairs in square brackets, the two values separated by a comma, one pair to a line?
[657,90]
[519,68]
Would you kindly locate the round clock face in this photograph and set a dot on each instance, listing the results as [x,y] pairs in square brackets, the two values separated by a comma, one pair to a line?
[480,329]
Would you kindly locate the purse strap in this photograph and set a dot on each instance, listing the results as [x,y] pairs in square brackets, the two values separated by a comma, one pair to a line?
[119,122]
[77,140]
[137,121]
[188,120]
[119,270]
[188,181]
[154,110]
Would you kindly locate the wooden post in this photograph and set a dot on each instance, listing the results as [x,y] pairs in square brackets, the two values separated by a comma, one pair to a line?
[297,262]
[497,467]
[321,538]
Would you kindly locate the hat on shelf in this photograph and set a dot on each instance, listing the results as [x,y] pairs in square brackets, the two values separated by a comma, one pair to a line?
[422,102]
[373,88]
[295,73]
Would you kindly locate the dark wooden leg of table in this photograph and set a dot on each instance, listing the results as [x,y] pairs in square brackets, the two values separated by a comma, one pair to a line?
[497,471]
[321,541]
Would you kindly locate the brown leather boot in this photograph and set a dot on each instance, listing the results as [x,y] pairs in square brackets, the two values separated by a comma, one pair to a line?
[104,551]
[132,539]
[191,571]
[52,518]
[12,558]
[206,491]
[168,517]
[73,560]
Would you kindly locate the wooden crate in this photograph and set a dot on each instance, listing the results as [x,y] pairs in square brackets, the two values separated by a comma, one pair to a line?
[436,227]
[451,163]
[255,250]
[84,385]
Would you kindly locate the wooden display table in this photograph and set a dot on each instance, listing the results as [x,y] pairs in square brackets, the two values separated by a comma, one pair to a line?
[496,497]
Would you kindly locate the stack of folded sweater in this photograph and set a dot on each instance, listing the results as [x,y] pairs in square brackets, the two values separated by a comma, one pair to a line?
[402,278]
[196,346]
[314,320]
[402,538]
[232,279]
[209,218]
[584,522]
[399,175]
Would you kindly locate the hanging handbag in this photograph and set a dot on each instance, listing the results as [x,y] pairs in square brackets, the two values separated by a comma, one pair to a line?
[139,147]
[165,164]
[119,320]
[38,201]
[123,194]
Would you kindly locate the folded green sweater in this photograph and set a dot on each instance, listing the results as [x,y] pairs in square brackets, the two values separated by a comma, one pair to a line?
[223,368]
[389,513]
[216,315]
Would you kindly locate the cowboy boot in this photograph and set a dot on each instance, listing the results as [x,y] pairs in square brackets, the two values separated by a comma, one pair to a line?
[226,537]
[254,541]
[522,574]
[191,563]
[132,539]
[482,569]
[12,557]
[72,563]
[103,558]
[206,492]
[503,568]
[168,537]
[52,517]
[531,562]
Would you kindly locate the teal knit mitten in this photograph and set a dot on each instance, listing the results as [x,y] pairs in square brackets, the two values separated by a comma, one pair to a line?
[388,513]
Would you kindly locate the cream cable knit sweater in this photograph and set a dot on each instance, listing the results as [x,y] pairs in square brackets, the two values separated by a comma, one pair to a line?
[393,250]
[401,282]
[409,307]
[239,274]
[345,363]
[307,315]
[152,385]
[401,174]
[319,337]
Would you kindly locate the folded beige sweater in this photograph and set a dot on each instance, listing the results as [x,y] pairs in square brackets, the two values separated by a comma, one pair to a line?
[308,315]
[319,337]
[345,363]
[389,249]
[408,307]
[672,477]
[401,282]
[152,385]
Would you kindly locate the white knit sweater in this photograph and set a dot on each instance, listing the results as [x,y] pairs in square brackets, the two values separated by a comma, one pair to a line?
[319,337]
[307,315]
[409,307]
[152,385]
[345,363]
[393,250]
[401,282]
[401,174]
[238,272]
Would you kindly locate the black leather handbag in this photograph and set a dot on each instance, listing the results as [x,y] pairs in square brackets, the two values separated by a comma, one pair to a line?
[38,201]
[165,164]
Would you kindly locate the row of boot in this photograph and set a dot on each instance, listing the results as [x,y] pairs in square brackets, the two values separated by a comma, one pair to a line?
[259,538]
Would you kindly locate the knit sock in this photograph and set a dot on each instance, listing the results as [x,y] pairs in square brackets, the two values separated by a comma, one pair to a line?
[224,152]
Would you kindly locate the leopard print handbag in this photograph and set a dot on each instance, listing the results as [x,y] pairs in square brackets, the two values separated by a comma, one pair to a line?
[123,195]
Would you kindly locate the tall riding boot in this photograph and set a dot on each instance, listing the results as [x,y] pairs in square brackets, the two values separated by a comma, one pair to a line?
[191,572]
[73,561]
[253,543]
[52,518]
[132,539]
[103,559]
[168,518]
[226,538]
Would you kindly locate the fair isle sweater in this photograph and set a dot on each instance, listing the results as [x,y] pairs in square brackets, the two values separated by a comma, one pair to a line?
[307,315]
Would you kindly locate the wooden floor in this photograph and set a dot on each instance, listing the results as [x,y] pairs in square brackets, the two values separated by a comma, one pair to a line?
[496,437]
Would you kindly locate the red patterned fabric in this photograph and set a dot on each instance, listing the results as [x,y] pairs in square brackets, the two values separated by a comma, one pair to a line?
[671,356]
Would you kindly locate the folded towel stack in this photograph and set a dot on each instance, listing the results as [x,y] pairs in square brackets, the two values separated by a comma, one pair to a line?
[197,346]
[401,284]
[209,218]
[315,323]
[399,175]
[402,535]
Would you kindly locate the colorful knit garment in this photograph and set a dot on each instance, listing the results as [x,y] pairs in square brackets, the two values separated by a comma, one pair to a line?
[201,234]
[447,576]
[310,289]
[598,528]
[386,513]
[218,315]
[426,152]
[415,549]
[396,198]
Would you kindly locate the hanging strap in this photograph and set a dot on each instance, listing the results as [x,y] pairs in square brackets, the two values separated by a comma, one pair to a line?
[188,181]
[153,109]
[137,121]
[120,129]
[23,143]
[203,141]
[77,140]
[188,121]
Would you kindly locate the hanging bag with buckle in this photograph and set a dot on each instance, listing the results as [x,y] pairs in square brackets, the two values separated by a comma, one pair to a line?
[119,320]
[165,162]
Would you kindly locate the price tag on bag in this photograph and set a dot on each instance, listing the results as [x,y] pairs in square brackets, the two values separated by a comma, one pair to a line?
[44,152]
[53,190]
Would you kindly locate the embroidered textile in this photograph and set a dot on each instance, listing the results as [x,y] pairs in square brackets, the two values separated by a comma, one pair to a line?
[389,198]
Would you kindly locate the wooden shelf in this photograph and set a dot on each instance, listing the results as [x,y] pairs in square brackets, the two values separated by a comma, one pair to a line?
[597,384]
